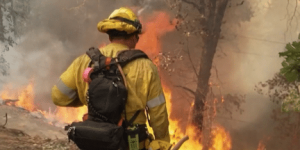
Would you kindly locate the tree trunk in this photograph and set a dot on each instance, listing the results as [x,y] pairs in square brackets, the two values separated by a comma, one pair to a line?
[214,10]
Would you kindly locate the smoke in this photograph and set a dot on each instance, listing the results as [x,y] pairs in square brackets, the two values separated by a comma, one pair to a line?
[254,32]
[56,32]
[150,5]
[251,50]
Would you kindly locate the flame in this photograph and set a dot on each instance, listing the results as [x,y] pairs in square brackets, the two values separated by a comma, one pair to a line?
[195,137]
[155,27]
[261,146]
[68,115]
[26,98]
[24,95]
[6,94]
[262,143]
[221,139]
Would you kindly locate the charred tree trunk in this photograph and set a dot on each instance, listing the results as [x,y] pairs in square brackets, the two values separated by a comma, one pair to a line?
[213,11]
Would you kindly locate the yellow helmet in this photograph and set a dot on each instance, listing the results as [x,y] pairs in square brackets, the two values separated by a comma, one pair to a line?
[122,19]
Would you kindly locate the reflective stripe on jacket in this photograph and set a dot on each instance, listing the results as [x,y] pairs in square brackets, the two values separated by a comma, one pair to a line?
[144,89]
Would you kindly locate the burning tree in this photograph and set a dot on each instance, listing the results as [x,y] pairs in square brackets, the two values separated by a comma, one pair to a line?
[208,28]
[201,21]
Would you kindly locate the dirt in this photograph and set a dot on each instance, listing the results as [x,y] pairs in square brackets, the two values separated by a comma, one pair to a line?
[13,139]
[27,131]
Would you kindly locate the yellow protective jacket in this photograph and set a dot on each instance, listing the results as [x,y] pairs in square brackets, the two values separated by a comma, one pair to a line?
[144,89]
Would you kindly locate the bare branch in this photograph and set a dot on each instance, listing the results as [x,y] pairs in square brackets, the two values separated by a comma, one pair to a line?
[188,52]
[187,89]
[77,7]
[237,120]
[198,7]
[290,20]
[3,126]
[217,74]
[294,12]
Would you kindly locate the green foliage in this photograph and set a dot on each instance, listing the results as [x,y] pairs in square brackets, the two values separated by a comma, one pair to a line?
[291,102]
[291,65]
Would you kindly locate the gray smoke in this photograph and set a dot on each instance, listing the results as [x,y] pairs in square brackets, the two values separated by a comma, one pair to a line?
[56,33]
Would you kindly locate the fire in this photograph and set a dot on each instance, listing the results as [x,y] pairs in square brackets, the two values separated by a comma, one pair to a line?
[221,139]
[195,137]
[261,146]
[155,27]
[68,115]
[6,94]
[24,96]
[150,43]
[176,133]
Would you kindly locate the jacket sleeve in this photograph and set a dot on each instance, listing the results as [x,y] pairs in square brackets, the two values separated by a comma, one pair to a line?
[157,108]
[64,93]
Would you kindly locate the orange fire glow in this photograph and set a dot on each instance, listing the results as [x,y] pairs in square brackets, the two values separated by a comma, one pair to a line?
[154,28]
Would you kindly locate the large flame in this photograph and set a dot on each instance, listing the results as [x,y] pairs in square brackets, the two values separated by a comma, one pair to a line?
[155,27]
[221,139]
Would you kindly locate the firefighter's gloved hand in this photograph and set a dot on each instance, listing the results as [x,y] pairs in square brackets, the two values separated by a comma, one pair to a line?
[159,145]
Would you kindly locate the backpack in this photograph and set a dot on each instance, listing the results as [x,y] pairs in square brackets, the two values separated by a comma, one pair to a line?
[106,99]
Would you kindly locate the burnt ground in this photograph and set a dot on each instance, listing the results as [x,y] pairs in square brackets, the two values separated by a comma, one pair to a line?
[27,131]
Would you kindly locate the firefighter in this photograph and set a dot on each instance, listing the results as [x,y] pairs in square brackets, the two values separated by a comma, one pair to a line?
[144,86]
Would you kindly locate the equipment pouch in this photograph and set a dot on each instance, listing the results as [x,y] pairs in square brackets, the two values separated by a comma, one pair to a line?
[133,137]
[91,135]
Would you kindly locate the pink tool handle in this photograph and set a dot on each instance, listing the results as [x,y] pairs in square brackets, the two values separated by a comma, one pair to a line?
[86,75]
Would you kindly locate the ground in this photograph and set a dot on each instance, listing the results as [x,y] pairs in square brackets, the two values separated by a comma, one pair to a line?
[25,131]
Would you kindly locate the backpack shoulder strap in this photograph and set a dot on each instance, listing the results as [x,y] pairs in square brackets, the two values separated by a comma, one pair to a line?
[98,59]
[94,54]
[126,56]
